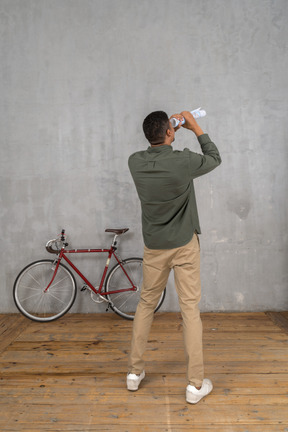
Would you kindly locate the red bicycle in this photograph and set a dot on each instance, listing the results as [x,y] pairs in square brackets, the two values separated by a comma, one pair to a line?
[46,289]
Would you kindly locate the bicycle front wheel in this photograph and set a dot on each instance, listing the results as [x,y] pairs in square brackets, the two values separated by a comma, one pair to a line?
[125,303]
[34,301]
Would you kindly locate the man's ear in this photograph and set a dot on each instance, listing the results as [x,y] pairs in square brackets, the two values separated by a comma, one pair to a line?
[169,132]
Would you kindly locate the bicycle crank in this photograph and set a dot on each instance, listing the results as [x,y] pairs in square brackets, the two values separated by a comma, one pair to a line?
[97,298]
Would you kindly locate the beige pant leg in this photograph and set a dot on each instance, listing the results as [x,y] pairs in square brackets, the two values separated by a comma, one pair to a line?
[155,276]
[186,265]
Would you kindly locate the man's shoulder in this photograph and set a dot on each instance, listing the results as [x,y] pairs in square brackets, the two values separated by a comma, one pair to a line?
[183,152]
[136,158]
[139,153]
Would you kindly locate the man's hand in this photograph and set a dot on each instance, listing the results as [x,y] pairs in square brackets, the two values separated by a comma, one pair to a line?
[178,117]
[191,123]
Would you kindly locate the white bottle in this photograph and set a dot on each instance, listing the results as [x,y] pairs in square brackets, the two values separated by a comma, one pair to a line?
[197,113]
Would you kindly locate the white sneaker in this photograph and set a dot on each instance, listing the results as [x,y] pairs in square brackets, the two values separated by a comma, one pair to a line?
[133,381]
[193,395]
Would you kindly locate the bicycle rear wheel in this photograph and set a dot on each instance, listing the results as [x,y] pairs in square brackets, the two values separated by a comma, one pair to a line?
[31,297]
[125,303]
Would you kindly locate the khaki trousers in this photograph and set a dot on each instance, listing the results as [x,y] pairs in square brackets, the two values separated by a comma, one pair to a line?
[157,264]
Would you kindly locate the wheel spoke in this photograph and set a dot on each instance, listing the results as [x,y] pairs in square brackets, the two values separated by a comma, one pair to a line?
[132,272]
[34,279]
[31,296]
[30,288]
[54,284]
[41,300]
[56,298]
[124,302]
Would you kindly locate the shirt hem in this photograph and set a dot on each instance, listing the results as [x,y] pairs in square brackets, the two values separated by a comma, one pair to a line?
[173,247]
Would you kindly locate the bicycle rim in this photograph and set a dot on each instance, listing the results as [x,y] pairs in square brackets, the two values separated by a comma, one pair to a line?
[125,304]
[31,297]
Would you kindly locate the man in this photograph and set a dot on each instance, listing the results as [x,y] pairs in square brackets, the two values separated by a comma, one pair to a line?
[164,181]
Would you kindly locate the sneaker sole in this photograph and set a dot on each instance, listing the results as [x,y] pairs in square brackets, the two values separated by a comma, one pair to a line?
[131,385]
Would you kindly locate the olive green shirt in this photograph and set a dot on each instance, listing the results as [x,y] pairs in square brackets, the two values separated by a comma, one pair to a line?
[164,181]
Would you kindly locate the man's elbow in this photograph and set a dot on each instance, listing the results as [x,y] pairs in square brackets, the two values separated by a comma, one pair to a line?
[218,159]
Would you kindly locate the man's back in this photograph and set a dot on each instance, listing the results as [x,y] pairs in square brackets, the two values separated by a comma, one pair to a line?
[164,183]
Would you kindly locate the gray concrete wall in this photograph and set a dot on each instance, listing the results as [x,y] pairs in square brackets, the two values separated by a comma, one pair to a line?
[78,77]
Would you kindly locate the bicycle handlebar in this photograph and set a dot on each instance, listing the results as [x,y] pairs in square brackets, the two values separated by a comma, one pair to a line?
[58,242]
[49,247]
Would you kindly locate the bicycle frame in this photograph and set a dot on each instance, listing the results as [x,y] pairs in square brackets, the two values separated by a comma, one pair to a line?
[111,252]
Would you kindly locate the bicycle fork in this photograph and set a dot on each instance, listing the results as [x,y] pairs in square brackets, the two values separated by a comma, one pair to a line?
[57,263]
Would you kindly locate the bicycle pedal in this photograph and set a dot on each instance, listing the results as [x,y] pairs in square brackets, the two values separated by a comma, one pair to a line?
[84,288]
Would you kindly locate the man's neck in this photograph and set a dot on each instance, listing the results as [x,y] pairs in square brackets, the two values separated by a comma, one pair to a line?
[159,145]
[166,142]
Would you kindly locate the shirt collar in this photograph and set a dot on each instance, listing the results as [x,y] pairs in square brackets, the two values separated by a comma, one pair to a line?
[160,148]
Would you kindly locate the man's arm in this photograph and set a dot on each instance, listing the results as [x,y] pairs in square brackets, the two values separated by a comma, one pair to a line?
[201,164]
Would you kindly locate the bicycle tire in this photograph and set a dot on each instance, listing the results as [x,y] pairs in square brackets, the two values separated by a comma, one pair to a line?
[31,298]
[125,304]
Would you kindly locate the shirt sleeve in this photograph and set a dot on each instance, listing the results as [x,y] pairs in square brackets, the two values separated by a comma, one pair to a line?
[201,164]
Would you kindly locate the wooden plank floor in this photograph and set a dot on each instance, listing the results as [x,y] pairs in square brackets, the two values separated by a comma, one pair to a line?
[69,375]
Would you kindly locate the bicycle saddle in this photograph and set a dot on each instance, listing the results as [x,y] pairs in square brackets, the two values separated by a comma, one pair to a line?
[117,231]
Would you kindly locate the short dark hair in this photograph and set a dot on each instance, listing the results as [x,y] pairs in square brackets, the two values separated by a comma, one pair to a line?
[155,126]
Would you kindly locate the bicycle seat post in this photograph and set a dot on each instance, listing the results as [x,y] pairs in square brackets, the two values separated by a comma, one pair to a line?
[114,242]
